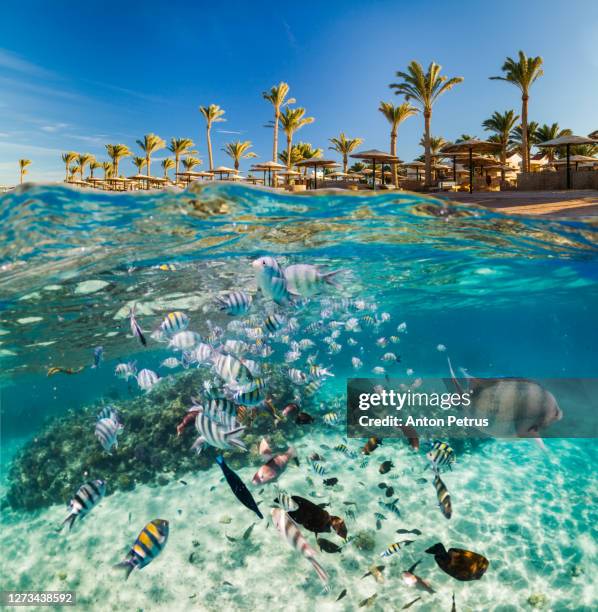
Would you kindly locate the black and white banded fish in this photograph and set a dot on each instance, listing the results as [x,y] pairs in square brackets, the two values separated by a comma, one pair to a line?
[342,448]
[315,327]
[334,348]
[391,506]
[297,376]
[184,340]
[214,434]
[441,454]
[274,322]
[364,462]
[201,354]
[221,410]
[368,321]
[312,387]
[330,418]
[236,347]
[174,322]
[170,363]
[285,501]
[234,303]
[391,550]
[135,327]
[444,499]
[271,281]
[126,370]
[250,394]
[149,544]
[84,500]
[231,369]
[316,371]
[108,412]
[106,431]
[306,280]
[146,379]
[318,468]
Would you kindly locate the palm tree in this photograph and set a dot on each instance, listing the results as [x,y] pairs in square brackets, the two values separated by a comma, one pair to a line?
[68,159]
[93,165]
[23,163]
[212,114]
[344,146]
[167,164]
[239,150]
[357,167]
[395,115]
[550,132]
[466,137]
[525,140]
[83,159]
[296,157]
[293,119]
[276,96]
[116,152]
[108,168]
[522,73]
[180,146]
[139,163]
[190,162]
[299,152]
[149,145]
[436,143]
[501,125]
[589,150]
[425,88]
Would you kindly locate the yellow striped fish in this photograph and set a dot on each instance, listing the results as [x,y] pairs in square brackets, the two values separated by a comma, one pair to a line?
[444,499]
[174,322]
[391,550]
[148,545]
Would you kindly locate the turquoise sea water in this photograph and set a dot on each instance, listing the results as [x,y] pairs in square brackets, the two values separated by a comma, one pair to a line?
[504,296]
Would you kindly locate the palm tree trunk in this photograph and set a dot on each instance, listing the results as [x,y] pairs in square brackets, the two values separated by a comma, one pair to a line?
[21,180]
[393,152]
[345,163]
[66,177]
[275,144]
[525,160]
[176,167]
[147,165]
[209,148]
[115,165]
[503,161]
[289,142]
[427,118]
[236,163]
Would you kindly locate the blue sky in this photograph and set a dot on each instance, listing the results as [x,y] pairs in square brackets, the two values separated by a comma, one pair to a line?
[76,76]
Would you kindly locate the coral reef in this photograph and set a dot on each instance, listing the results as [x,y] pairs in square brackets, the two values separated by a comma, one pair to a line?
[51,467]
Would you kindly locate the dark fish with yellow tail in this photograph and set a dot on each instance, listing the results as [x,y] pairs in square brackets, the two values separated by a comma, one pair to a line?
[444,499]
[461,564]
[385,467]
[149,544]
[371,445]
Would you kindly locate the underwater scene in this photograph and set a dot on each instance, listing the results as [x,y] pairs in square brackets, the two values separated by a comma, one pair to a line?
[173,380]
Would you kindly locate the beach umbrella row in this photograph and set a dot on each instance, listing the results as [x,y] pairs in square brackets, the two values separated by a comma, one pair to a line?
[568,142]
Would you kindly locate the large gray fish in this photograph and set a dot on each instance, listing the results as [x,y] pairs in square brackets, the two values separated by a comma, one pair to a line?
[214,434]
[306,280]
[514,406]
[84,500]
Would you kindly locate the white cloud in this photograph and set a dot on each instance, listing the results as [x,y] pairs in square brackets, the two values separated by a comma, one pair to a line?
[15,63]
[54,127]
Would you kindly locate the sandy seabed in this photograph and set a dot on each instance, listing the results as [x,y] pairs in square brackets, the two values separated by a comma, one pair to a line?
[531,513]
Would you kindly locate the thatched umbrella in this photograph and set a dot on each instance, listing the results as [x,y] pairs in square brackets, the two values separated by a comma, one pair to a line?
[593,135]
[567,142]
[577,159]
[322,163]
[416,165]
[374,155]
[222,170]
[469,146]
[271,167]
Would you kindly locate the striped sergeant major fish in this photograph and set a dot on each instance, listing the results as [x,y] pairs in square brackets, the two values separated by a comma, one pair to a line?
[84,501]
[149,544]
[444,499]
[216,435]
[174,322]
[146,379]
[236,347]
[184,340]
[126,370]
[391,550]
[440,454]
[306,280]
[250,394]
[342,448]
[108,412]
[106,431]
[290,532]
[274,322]
[135,327]
[316,371]
[220,409]
[234,303]
[318,468]
[391,506]
[231,369]
[271,280]
[285,501]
